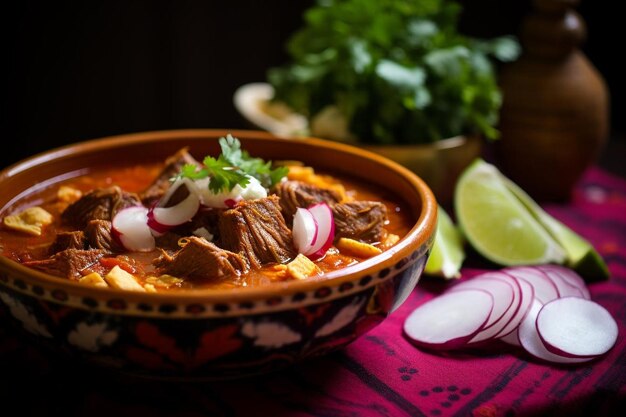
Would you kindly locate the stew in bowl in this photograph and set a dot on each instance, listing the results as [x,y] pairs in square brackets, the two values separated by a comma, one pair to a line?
[135,253]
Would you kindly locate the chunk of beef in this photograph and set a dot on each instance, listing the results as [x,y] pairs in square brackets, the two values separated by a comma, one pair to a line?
[98,236]
[67,240]
[256,229]
[68,263]
[294,194]
[204,224]
[99,204]
[173,164]
[207,218]
[200,258]
[361,220]
[168,241]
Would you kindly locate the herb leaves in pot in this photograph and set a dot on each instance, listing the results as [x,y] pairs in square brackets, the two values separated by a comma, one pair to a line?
[392,71]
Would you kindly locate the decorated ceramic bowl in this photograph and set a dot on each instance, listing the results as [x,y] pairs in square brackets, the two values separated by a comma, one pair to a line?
[439,163]
[217,333]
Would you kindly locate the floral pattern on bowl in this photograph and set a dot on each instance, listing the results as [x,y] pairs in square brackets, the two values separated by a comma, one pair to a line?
[222,334]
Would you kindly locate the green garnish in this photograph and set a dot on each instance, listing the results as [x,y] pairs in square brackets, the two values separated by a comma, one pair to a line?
[398,71]
[232,168]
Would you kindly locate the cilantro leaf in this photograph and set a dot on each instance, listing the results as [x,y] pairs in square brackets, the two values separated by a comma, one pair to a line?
[191,171]
[232,167]
[223,175]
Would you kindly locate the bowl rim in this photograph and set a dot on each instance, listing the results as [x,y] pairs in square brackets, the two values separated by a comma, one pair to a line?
[421,232]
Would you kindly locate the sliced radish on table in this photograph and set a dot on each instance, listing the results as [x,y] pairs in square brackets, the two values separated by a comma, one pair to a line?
[505,298]
[511,338]
[450,320]
[527,295]
[568,276]
[164,216]
[545,289]
[314,230]
[575,327]
[531,342]
[130,228]
[562,286]
[544,309]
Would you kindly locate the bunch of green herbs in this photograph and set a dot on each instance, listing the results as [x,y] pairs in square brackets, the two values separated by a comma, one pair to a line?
[232,167]
[398,71]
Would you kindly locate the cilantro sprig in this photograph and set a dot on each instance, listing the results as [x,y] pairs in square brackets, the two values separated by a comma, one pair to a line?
[399,71]
[232,167]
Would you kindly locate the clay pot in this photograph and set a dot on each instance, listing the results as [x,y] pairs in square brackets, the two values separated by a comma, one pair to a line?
[554,118]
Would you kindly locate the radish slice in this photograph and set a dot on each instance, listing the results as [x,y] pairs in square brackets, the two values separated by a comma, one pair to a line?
[163,218]
[323,215]
[527,295]
[503,295]
[577,328]
[130,228]
[304,230]
[499,325]
[450,320]
[564,288]
[568,277]
[511,338]
[545,289]
[324,234]
[531,342]
[566,328]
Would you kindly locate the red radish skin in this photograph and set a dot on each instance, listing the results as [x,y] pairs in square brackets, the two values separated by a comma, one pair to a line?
[502,292]
[305,230]
[450,320]
[576,328]
[511,338]
[157,228]
[130,228]
[498,327]
[545,290]
[531,342]
[167,217]
[527,295]
[570,328]
[564,289]
[325,232]
[568,277]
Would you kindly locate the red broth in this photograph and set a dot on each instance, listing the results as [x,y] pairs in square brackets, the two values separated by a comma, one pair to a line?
[22,248]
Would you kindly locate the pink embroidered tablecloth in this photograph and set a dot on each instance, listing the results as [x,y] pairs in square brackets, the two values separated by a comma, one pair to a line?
[381,374]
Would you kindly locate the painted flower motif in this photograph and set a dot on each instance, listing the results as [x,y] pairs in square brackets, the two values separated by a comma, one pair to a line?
[21,313]
[157,349]
[92,337]
[345,316]
[269,334]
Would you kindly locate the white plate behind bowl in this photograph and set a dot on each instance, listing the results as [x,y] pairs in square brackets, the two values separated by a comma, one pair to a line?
[253,101]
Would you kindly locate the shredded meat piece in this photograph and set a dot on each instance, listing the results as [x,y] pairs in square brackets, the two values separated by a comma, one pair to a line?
[360,220]
[256,229]
[99,204]
[98,236]
[67,240]
[202,259]
[159,186]
[68,263]
[294,194]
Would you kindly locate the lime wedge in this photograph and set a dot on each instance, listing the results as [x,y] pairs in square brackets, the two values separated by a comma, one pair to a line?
[581,255]
[447,254]
[497,224]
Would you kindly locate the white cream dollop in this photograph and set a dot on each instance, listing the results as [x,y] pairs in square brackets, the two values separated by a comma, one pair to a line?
[251,191]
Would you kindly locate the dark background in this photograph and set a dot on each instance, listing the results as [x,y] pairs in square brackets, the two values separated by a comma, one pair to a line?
[82,70]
